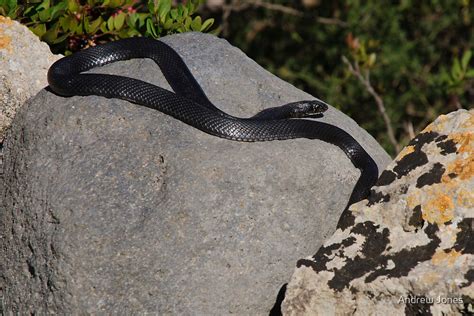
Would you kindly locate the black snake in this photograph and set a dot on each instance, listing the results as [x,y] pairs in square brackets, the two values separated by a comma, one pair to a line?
[189,104]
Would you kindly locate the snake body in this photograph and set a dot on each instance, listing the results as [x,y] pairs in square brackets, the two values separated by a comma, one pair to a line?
[188,102]
[190,105]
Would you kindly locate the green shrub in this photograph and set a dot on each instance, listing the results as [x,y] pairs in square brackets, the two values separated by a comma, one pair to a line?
[69,25]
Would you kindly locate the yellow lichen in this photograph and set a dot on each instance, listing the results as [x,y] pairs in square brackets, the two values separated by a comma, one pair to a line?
[439,209]
[445,258]
[437,125]
[405,151]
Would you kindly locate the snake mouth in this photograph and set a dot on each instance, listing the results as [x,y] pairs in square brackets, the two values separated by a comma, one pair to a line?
[319,106]
[308,108]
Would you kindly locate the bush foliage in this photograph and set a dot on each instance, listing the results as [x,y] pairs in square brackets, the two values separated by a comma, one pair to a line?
[416,55]
[69,25]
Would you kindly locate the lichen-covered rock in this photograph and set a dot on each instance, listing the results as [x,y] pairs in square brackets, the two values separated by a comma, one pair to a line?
[110,207]
[410,249]
[24,62]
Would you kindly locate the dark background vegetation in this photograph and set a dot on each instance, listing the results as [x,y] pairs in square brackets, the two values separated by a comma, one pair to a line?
[393,66]
[416,55]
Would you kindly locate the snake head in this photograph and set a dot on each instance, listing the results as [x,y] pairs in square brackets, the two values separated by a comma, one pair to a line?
[307,108]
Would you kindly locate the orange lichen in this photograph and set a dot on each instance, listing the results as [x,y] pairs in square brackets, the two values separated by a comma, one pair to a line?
[465,141]
[442,258]
[5,40]
[5,20]
[438,210]
[462,168]
[405,151]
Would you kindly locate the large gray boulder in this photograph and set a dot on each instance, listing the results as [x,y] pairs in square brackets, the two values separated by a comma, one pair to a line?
[109,206]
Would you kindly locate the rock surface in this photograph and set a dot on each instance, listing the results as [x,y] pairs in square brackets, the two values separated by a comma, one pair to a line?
[113,207]
[24,62]
[411,247]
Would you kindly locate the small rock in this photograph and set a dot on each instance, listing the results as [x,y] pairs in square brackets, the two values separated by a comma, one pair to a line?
[411,248]
[24,62]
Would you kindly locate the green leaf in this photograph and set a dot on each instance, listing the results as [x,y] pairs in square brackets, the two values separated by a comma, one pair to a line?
[95,25]
[60,38]
[73,24]
[132,33]
[64,23]
[456,71]
[207,24]
[174,13]
[110,23]
[115,3]
[152,6]
[58,10]
[43,6]
[190,7]
[123,33]
[187,23]
[167,25]
[470,73]
[103,27]
[12,4]
[78,28]
[72,6]
[38,29]
[44,15]
[119,20]
[164,8]
[132,20]
[466,57]
[28,10]
[142,17]
[196,24]
[51,34]
[151,28]
[86,25]
[12,8]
